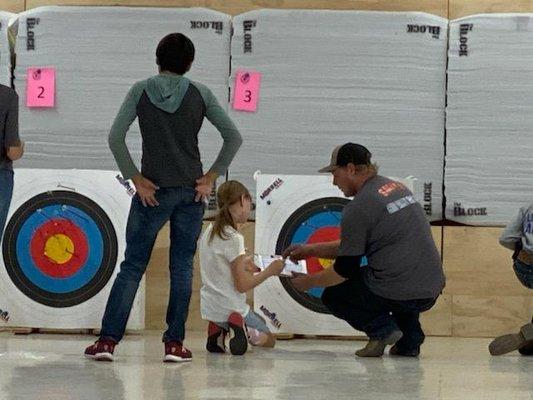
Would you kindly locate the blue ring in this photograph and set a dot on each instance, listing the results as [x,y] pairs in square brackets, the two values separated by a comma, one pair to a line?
[86,272]
[308,227]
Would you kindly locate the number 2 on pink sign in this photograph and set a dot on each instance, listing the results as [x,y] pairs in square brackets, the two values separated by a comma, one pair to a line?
[40,87]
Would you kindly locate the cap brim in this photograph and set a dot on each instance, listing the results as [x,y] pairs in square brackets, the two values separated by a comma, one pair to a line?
[329,168]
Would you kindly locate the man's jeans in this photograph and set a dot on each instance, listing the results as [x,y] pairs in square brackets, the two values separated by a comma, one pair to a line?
[524,273]
[377,316]
[177,205]
[6,191]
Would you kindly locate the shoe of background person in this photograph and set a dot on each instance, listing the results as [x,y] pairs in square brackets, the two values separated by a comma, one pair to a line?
[101,350]
[238,344]
[375,348]
[527,349]
[513,341]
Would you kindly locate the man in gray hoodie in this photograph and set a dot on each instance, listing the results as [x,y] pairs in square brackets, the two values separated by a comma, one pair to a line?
[518,236]
[170,186]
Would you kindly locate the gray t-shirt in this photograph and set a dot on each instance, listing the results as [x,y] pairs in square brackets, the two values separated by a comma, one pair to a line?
[519,229]
[9,125]
[385,223]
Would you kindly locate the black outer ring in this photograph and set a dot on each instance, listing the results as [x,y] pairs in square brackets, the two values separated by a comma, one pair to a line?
[110,249]
[335,204]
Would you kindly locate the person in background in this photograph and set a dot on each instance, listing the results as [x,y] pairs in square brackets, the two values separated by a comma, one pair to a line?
[518,236]
[11,149]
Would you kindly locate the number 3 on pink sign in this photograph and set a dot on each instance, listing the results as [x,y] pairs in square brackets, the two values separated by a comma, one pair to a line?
[246,90]
[40,87]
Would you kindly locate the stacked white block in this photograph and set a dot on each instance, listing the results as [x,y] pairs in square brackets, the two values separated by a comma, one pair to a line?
[6,19]
[489,173]
[330,77]
[98,54]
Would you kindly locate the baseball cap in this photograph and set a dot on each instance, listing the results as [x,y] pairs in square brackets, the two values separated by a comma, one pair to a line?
[348,153]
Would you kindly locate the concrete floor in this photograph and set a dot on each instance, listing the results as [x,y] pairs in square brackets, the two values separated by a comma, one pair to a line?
[52,367]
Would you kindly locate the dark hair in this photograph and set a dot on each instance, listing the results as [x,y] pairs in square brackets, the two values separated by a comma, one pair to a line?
[175,53]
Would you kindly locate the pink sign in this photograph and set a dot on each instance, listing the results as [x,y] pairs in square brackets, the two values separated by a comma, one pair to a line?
[41,87]
[247,85]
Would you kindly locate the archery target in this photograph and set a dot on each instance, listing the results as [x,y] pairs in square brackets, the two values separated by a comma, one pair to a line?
[314,222]
[295,209]
[62,245]
[60,248]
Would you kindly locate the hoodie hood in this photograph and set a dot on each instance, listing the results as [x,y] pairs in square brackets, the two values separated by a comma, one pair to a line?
[166,91]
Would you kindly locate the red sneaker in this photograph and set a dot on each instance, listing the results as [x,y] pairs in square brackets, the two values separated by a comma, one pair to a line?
[238,343]
[101,350]
[175,352]
[216,337]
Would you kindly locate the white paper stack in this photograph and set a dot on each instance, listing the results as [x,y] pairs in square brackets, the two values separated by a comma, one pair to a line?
[331,77]
[98,54]
[6,19]
[489,173]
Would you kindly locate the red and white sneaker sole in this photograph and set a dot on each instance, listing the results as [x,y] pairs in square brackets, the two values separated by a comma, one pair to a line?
[100,357]
[175,359]
[238,343]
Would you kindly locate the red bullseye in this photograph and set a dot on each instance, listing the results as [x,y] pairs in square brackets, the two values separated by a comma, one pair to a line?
[59,248]
[323,234]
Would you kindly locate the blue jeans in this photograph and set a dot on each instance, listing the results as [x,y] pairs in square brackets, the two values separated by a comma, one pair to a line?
[524,273]
[177,205]
[6,192]
[377,316]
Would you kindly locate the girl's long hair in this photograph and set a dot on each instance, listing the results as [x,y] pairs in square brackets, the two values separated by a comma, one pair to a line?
[228,193]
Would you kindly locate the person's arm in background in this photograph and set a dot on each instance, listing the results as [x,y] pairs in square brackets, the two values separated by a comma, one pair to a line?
[15,152]
[512,234]
[14,146]
[230,135]
[117,143]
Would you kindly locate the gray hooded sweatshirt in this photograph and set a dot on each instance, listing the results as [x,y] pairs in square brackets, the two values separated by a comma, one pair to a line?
[519,229]
[171,109]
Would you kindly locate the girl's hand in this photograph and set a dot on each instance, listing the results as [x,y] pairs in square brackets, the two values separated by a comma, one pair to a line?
[275,267]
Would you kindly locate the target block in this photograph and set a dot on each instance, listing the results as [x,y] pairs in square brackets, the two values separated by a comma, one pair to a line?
[63,244]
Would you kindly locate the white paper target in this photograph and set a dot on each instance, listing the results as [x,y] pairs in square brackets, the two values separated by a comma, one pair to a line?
[62,247]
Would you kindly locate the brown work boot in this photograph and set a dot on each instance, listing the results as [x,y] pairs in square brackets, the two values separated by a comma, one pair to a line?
[375,347]
[514,341]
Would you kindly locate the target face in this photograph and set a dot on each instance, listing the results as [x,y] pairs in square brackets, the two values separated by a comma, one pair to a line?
[60,248]
[314,222]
